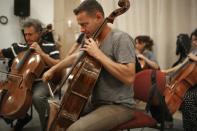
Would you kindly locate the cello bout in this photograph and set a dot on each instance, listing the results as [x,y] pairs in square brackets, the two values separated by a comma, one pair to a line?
[16,102]
[183,80]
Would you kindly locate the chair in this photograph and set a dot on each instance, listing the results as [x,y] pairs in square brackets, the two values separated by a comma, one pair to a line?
[142,86]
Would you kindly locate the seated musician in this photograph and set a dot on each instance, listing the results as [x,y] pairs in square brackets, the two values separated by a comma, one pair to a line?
[113,93]
[189,105]
[183,46]
[143,46]
[49,54]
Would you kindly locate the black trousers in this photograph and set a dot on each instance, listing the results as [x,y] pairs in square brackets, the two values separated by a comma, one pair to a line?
[189,109]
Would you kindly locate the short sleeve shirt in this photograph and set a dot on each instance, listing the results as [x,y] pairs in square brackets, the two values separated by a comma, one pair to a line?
[117,46]
[149,54]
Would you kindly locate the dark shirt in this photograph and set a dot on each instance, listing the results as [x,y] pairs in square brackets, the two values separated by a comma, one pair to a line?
[16,48]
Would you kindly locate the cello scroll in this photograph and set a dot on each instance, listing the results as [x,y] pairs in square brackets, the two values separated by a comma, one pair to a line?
[124,4]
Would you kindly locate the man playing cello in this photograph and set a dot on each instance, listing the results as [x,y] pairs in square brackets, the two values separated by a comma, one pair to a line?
[49,54]
[113,92]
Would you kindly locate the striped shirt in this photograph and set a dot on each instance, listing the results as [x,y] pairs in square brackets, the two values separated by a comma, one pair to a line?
[16,48]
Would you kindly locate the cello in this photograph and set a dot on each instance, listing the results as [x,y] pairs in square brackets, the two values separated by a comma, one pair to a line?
[16,90]
[63,115]
[181,80]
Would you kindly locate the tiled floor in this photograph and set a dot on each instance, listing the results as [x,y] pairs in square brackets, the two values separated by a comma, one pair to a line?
[34,125]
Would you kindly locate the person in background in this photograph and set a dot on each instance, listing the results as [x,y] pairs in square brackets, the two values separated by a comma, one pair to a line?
[52,36]
[32,29]
[189,105]
[143,46]
[183,46]
[113,92]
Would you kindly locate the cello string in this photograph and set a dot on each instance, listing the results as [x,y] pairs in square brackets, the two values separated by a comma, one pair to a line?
[10,74]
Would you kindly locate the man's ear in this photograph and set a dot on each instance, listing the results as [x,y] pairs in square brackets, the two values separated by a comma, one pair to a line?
[99,15]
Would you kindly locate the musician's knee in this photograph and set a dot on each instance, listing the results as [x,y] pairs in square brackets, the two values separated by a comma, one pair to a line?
[76,127]
[40,94]
[39,101]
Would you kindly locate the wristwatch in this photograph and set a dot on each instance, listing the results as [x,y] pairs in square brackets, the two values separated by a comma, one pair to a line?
[3,20]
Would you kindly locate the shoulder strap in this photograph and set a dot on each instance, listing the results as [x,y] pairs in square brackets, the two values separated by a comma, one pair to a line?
[161,105]
[152,90]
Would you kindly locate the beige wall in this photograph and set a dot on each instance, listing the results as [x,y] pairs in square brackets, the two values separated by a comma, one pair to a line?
[162,20]
[63,12]
[11,32]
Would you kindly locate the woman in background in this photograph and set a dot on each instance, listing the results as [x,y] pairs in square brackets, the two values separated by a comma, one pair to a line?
[143,46]
[189,105]
[183,46]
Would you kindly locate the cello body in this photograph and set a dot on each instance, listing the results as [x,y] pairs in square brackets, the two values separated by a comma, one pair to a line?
[17,96]
[182,80]
[76,95]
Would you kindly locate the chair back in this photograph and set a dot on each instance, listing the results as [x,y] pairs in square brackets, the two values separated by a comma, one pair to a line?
[143,83]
